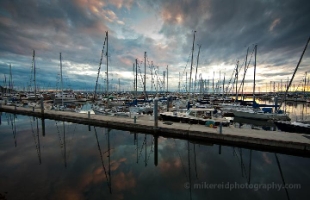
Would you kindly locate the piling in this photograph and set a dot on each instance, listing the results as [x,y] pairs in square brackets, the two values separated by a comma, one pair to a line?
[221,128]
[276,103]
[155,113]
[88,115]
[168,101]
[42,107]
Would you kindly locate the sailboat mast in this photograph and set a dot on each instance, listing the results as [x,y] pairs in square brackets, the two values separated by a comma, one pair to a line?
[34,75]
[245,66]
[305,84]
[144,85]
[197,67]
[136,89]
[190,75]
[102,52]
[134,80]
[254,74]
[237,80]
[11,81]
[107,54]
[152,78]
[288,86]
[62,98]
[224,85]
[179,82]
[167,78]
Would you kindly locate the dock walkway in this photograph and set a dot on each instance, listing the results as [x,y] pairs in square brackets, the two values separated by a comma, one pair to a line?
[283,142]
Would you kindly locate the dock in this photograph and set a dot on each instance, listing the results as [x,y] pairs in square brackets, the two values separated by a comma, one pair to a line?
[273,141]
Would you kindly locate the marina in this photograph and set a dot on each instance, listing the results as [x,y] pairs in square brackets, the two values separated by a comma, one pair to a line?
[154,100]
[293,143]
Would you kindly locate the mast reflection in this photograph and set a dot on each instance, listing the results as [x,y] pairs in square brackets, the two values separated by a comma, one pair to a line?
[62,142]
[108,177]
[36,138]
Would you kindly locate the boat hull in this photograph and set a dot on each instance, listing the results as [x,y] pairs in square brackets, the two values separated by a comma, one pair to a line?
[292,128]
[260,116]
[190,120]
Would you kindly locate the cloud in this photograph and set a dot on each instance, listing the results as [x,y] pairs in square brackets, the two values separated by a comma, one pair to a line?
[162,28]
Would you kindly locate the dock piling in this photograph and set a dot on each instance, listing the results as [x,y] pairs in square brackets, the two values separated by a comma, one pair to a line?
[168,102]
[88,114]
[155,112]
[42,106]
[221,128]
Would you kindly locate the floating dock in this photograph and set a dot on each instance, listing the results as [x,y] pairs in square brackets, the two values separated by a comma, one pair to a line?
[275,141]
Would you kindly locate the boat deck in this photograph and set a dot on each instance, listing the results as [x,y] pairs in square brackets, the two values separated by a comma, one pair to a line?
[282,142]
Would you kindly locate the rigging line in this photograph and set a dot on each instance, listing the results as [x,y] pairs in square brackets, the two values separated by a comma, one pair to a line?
[299,84]
[34,137]
[160,84]
[70,140]
[140,153]
[246,68]
[151,151]
[12,124]
[231,78]
[242,164]
[189,56]
[180,158]
[60,140]
[100,63]
[102,162]
[38,136]
[282,177]
[141,78]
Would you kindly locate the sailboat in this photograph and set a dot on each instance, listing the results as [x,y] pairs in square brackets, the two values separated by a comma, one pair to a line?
[257,113]
[296,126]
[62,97]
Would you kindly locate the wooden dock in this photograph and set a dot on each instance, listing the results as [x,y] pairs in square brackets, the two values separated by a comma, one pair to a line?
[275,141]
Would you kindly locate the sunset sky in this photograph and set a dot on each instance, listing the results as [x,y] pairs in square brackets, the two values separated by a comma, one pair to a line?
[163,29]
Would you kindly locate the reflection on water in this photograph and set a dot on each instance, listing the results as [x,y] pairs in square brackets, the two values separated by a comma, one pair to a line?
[71,161]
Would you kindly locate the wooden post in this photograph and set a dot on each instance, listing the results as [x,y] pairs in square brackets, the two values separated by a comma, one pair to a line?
[42,107]
[155,112]
[88,113]
[168,102]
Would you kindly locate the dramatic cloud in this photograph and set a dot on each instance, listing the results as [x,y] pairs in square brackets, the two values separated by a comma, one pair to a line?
[162,28]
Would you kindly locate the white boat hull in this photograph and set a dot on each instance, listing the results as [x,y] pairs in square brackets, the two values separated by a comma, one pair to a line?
[260,116]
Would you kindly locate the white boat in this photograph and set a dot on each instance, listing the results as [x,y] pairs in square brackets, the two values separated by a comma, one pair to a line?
[260,115]
[195,116]
[101,110]
[65,97]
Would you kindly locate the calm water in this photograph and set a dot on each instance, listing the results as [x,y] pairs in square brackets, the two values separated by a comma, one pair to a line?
[73,162]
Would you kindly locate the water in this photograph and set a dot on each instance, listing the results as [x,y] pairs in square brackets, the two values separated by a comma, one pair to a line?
[74,161]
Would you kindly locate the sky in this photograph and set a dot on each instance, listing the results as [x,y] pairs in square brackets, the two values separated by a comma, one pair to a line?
[164,29]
